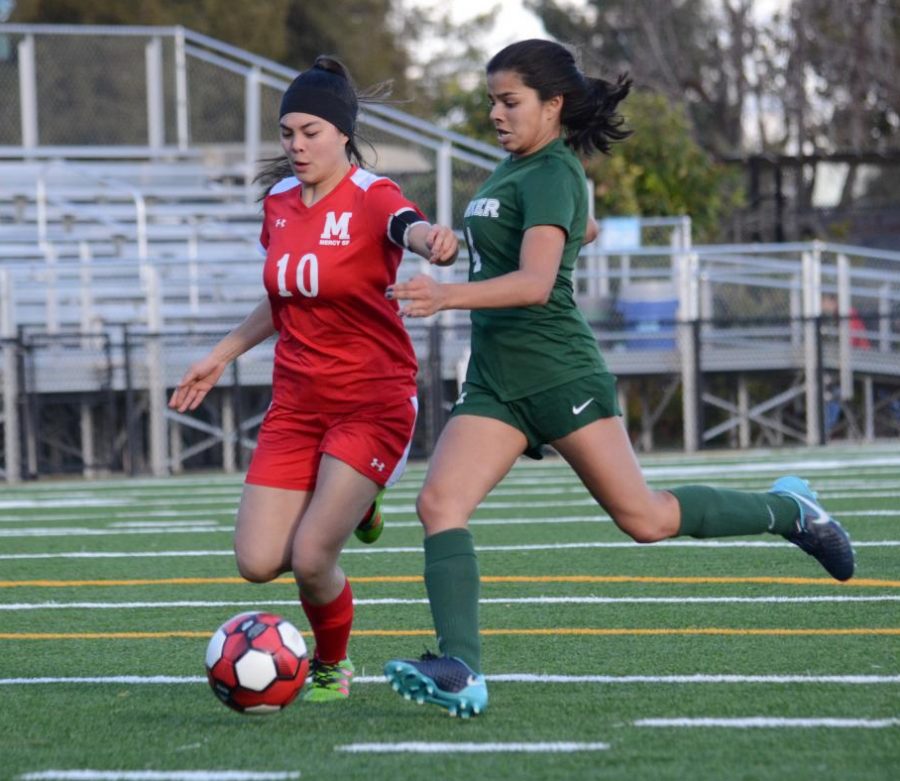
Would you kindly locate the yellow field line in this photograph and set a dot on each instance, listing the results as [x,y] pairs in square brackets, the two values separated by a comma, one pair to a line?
[857,582]
[699,631]
[867,582]
[583,631]
[129,582]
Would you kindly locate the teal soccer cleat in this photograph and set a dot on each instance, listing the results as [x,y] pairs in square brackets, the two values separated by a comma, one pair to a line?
[816,532]
[441,680]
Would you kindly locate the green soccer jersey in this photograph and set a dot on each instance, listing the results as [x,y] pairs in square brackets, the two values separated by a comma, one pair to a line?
[525,350]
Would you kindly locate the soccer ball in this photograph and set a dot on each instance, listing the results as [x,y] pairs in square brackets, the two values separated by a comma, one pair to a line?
[256,663]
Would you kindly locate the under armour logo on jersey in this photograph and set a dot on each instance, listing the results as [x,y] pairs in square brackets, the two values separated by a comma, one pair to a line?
[336,232]
[376,464]
[280,222]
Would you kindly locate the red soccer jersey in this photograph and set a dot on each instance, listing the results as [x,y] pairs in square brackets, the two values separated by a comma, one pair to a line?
[341,343]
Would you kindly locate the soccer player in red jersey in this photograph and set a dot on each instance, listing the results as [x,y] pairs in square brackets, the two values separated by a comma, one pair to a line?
[343,407]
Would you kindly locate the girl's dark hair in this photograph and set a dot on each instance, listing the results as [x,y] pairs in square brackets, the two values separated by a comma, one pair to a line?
[589,114]
[277,168]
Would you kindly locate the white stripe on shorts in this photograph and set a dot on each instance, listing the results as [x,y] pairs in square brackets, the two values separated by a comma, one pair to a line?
[401,464]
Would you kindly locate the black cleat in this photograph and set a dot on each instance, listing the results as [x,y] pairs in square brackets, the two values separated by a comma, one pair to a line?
[441,680]
[816,532]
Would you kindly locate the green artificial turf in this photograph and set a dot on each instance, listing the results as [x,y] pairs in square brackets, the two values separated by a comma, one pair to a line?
[636,619]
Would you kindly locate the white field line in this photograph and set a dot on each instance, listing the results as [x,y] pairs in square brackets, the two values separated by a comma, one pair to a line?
[769,600]
[839,455]
[115,516]
[127,489]
[156,775]
[836,490]
[412,747]
[211,526]
[786,546]
[151,501]
[174,501]
[392,510]
[799,466]
[210,480]
[583,501]
[165,524]
[669,476]
[667,544]
[107,532]
[225,512]
[559,481]
[117,555]
[128,680]
[852,680]
[200,524]
[527,678]
[166,504]
[561,475]
[767,722]
[589,502]
[85,500]
[777,462]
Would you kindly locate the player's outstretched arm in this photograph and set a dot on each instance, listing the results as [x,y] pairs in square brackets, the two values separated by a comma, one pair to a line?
[202,375]
[198,380]
[436,243]
[529,285]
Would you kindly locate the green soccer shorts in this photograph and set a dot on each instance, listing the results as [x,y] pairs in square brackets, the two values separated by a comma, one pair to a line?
[548,415]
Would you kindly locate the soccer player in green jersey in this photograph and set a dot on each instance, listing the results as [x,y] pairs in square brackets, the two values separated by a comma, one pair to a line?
[536,375]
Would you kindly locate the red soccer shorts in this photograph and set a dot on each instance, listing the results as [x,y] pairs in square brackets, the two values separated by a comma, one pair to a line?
[375,442]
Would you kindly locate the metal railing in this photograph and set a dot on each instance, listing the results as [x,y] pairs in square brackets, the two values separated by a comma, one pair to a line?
[96,402]
[751,313]
[172,71]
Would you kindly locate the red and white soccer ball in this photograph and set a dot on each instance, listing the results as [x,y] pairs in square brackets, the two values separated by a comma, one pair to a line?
[256,663]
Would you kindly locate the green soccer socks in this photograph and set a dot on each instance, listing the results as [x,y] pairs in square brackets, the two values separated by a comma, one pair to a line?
[722,512]
[452,582]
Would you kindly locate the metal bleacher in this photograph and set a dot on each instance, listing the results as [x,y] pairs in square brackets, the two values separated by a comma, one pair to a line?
[121,263]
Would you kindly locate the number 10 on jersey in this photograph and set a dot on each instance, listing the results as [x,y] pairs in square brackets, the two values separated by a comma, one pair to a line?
[305,278]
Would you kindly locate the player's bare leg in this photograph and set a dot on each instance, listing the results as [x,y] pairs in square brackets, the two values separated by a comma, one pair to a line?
[267,520]
[339,499]
[602,456]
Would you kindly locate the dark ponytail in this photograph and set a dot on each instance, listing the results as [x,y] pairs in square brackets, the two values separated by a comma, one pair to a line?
[590,117]
[341,90]
[589,113]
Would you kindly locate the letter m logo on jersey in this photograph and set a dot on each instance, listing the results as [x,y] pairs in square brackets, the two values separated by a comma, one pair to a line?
[337,230]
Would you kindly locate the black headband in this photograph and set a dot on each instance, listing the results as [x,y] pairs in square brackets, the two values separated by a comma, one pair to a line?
[322,94]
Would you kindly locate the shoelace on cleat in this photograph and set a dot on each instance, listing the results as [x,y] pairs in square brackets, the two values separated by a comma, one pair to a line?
[326,675]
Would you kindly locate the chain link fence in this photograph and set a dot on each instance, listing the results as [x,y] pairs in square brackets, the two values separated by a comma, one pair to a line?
[10,125]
